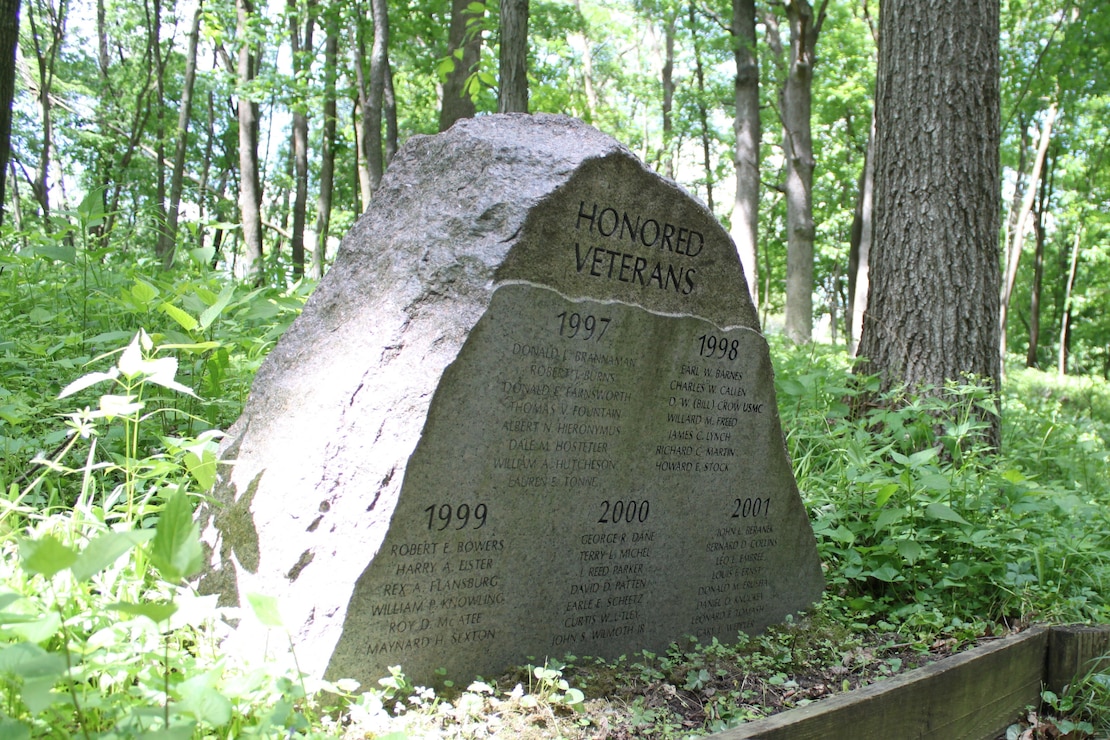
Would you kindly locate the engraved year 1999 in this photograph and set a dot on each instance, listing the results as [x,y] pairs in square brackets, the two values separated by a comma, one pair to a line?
[458,517]
[582,326]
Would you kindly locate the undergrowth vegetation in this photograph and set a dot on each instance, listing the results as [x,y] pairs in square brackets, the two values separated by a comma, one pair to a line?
[116,379]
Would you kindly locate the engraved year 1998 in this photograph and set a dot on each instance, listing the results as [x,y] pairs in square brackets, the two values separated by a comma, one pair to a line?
[582,326]
[718,347]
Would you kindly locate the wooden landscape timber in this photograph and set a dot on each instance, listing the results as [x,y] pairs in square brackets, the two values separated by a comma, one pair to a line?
[975,695]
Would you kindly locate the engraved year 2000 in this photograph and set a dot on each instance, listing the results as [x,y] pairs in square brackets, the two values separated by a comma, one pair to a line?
[628,512]
[582,326]
[459,516]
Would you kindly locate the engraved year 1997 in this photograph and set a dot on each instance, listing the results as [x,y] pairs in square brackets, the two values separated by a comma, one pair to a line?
[582,326]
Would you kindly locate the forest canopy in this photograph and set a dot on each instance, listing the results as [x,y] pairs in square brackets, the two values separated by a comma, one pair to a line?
[249,136]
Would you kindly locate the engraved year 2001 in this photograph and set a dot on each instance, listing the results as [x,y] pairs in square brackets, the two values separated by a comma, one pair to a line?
[582,326]
[751,507]
[457,517]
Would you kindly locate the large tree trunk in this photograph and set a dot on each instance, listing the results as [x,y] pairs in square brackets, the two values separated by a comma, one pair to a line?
[933,303]
[250,185]
[327,143]
[795,103]
[9,41]
[465,51]
[513,58]
[177,177]
[748,130]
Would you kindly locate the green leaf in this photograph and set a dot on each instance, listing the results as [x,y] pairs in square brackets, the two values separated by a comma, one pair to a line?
[885,573]
[143,292]
[59,252]
[942,512]
[910,550]
[37,629]
[202,468]
[29,661]
[885,493]
[175,550]
[88,380]
[105,550]
[918,459]
[11,729]
[38,694]
[204,702]
[889,516]
[182,731]
[213,312]
[155,611]
[46,556]
[182,317]
[935,482]
[265,609]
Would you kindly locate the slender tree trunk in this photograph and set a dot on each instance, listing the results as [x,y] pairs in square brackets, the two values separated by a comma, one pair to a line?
[1065,321]
[667,78]
[9,41]
[1014,257]
[177,177]
[703,111]
[302,51]
[587,70]
[155,21]
[513,57]
[859,252]
[748,131]
[47,25]
[372,118]
[250,186]
[465,50]
[389,113]
[327,143]
[795,103]
[362,111]
[934,260]
[1038,268]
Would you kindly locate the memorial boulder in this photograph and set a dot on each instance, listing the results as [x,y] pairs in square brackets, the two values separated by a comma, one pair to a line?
[529,411]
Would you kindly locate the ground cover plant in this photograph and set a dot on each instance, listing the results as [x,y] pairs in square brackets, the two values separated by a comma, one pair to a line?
[116,379]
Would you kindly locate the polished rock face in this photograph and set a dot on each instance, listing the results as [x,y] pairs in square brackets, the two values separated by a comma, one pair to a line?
[528,412]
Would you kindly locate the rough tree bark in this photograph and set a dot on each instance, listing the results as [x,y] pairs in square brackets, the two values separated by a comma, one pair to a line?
[933,304]
[9,40]
[1013,258]
[512,95]
[250,186]
[859,253]
[795,107]
[327,143]
[177,176]
[302,48]
[465,50]
[748,130]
